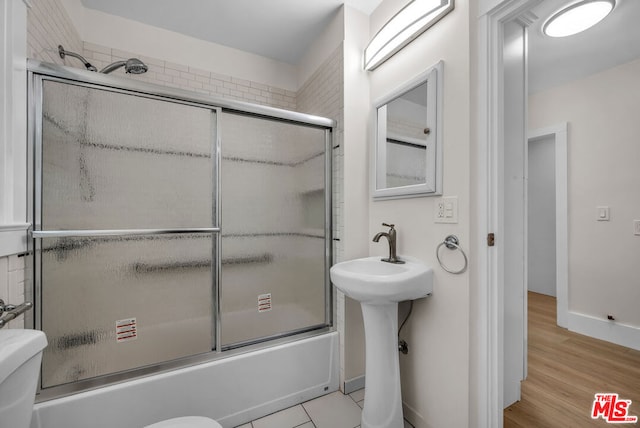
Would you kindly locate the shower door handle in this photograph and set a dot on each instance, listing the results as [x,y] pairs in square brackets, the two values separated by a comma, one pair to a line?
[39,234]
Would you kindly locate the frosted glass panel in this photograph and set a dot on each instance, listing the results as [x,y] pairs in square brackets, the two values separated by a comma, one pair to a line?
[158,287]
[273,239]
[114,160]
[119,161]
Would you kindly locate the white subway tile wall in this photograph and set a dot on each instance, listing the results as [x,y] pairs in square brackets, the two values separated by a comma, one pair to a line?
[12,275]
[180,76]
[321,95]
[48,26]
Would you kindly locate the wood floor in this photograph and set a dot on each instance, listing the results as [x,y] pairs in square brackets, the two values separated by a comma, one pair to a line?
[565,371]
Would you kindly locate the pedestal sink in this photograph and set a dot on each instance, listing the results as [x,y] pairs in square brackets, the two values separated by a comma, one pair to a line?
[379,286]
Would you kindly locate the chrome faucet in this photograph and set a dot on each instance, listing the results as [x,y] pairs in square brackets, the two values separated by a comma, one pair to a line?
[391,237]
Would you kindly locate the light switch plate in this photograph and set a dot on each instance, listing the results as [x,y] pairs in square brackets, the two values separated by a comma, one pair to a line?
[636,227]
[602,213]
[446,210]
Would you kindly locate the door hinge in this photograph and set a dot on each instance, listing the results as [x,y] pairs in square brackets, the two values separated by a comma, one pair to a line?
[491,239]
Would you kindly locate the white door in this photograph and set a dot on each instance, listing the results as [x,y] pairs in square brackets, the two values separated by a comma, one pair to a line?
[541,219]
[513,215]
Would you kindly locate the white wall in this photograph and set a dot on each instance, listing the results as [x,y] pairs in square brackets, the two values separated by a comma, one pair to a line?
[127,35]
[435,376]
[321,49]
[603,154]
[541,199]
[356,183]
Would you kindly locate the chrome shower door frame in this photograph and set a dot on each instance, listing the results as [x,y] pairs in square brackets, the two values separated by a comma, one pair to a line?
[39,72]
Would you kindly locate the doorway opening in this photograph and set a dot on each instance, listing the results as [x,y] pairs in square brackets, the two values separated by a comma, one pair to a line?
[547,215]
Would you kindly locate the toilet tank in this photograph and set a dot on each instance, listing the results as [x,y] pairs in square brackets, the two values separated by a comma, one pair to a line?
[20,356]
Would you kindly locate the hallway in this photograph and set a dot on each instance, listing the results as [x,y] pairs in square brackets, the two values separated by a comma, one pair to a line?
[565,371]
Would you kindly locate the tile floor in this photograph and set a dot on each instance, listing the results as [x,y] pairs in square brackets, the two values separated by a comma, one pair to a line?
[334,410]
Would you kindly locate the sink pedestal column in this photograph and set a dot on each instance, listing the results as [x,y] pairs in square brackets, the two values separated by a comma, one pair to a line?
[383,401]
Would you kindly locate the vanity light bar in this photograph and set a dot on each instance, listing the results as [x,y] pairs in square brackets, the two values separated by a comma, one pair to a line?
[412,20]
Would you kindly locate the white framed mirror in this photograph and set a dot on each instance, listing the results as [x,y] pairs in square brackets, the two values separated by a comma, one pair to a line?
[407,160]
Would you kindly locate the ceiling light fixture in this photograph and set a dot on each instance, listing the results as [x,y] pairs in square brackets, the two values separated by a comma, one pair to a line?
[414,19]
[577,17]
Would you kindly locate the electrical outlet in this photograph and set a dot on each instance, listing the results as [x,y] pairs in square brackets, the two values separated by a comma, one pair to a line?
[446,210]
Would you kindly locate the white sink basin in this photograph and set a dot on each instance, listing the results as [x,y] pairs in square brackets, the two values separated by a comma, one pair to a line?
[370,280]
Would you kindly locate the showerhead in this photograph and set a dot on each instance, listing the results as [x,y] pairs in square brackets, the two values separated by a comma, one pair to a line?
[135,66]
[86,63]
[132,66]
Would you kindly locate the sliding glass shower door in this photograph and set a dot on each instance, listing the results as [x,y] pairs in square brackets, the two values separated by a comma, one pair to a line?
[274,200]
[125,221]
[170,228]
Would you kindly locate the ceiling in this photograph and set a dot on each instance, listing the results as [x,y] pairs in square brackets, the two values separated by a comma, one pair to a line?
[277,29]
[613,41]
[284,30]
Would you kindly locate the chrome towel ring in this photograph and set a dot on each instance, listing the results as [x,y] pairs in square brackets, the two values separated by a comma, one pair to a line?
[452,243]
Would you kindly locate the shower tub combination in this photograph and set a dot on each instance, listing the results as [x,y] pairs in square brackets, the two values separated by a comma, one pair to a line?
[181,247]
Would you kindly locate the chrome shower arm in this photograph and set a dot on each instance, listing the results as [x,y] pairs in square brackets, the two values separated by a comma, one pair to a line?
[86,63]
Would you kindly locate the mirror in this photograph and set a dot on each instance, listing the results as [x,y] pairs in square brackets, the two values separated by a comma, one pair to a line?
[408,151]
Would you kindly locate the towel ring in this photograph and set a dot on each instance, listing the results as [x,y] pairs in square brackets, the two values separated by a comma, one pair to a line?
[452,243]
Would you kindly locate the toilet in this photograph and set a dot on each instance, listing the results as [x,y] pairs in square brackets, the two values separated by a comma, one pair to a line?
[20,357]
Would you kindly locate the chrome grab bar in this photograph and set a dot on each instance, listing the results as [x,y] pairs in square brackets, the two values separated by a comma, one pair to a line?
[8,312]
[39,234]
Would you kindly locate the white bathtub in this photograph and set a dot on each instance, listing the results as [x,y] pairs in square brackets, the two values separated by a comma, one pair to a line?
[232,390]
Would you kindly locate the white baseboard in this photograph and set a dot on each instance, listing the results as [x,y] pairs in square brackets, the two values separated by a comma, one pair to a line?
[413,416]
[409,412]
[353,384]
[603,329]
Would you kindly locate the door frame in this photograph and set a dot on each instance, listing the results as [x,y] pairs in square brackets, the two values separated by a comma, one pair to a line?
[559,133]
[487,293]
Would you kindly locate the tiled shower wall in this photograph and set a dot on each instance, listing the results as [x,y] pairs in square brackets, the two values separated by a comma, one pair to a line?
[181,76]
[322,95]
[48,26]
[12,275]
